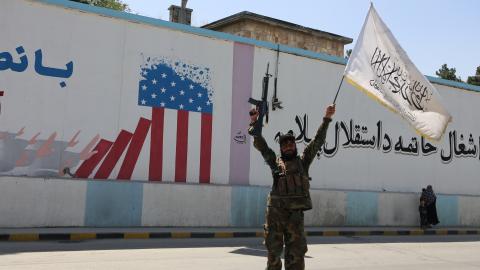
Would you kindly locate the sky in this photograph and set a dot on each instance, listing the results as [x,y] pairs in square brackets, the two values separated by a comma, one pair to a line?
[432,32]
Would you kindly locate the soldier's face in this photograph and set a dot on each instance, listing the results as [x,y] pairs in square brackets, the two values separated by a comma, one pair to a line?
[288,147]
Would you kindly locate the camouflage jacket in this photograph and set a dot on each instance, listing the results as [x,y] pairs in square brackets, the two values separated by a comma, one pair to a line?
[304,160]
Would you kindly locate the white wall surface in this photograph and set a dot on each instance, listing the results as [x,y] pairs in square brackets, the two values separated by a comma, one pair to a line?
[37,202]
[186,205]
[101,97]
[469,212]
[329,208]
[398,209]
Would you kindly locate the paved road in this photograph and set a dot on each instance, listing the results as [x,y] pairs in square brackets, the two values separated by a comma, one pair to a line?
[370,252]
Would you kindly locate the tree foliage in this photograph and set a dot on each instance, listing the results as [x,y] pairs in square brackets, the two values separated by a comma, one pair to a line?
[475,79]
[448,73]
[112,4]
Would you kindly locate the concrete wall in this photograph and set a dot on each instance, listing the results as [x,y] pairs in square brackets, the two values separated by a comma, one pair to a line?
[39,202]
[55,119]
[46,126]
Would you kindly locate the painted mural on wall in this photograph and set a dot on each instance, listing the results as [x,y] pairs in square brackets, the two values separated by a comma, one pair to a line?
[138,104]
[351,134]
[34,157]
[164,84]
[167,84]
[19,62]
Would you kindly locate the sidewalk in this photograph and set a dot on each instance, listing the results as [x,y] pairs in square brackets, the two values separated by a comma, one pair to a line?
[83,233]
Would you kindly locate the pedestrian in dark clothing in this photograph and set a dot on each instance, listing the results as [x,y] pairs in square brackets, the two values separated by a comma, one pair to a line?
[431,201]
[423,197]
[422,209]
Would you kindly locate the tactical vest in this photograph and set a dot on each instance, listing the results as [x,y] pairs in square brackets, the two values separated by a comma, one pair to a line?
[291,186]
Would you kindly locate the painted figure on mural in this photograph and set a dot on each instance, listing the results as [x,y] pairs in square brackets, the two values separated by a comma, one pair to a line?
[290,195]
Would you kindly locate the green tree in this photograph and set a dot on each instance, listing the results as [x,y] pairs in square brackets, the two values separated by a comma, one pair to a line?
[448,73]
[475,79]
[112,4]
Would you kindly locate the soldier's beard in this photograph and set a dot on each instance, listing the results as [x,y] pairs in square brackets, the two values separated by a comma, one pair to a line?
[289,156]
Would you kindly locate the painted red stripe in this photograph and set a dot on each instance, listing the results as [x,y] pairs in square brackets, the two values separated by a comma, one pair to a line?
[88,165]
[156,145]
[134,149]
[114,155]
[182,146]
[206,148]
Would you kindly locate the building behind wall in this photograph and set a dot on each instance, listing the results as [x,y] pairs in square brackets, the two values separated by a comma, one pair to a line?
[181,14]
[251,25]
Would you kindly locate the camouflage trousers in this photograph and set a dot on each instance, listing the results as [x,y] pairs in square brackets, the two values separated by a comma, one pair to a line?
[283,226]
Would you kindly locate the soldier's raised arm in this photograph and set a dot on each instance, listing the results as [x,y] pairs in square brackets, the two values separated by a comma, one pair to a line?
[314,146]
[260,144]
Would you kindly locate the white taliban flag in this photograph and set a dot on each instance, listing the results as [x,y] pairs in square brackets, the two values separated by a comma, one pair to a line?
[379,67]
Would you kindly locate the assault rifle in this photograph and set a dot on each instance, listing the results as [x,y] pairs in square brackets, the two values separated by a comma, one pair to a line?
[262,105]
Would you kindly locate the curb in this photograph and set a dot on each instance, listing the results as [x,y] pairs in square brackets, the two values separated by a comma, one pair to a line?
[177,235]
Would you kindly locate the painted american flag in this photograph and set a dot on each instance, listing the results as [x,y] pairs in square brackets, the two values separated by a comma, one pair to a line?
[166,86]
[162,87]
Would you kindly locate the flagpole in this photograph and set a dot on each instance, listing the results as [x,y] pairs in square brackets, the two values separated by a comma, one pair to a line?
[338,90]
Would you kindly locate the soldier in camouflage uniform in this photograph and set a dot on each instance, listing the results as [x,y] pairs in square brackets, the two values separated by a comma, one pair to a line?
[290,194]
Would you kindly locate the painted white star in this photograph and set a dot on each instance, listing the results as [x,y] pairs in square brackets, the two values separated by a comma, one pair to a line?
[191,86]
[144,87]
[208,102]
[154,81]
[172,98]
[181,106]
[144,102]
[182,78]
[199,95]
[162,104]
[164,75]
[190,100]
[145,72]
[199,108]
[182,92]
[173,84]
[163,90]
[154,95]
